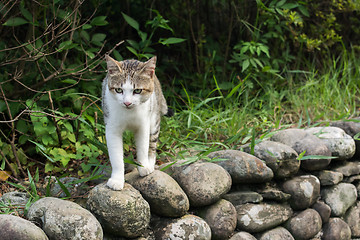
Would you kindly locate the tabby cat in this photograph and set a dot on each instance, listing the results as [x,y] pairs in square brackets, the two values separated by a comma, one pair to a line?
[132,100]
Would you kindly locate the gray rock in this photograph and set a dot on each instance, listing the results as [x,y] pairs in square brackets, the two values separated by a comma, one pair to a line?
[338,142]
[304,225]
[336,229]
[357,185]
[61,219]
[242,236]
[13,227]
[162,192]
[68,182]
[121,213]
[304,190]
[277,233]
[147,234]
[301,141]
[323,209]
[221,217]
[203,182]
[352,179]
[328,178]
[186,227]
[255,218]
[241,197]
[273,194]
[351,127]
[339,197]
[348,168]
[15,200]
[318,236]
[352,218]
[281,158]
[243,167]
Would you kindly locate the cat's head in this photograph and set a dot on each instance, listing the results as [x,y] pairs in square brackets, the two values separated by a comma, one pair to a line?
[131,82]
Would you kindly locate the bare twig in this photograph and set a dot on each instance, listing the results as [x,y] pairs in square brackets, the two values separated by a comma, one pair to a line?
[8,164]
[58,132]
[13,131]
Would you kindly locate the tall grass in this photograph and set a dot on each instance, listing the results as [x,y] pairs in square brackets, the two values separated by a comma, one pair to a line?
[227,119]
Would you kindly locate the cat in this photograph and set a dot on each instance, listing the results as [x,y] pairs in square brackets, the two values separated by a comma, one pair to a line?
[132,99]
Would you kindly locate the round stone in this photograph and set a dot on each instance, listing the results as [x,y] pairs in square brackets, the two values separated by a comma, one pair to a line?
[61,219]
[221,217]
[243,167]
[162,192]
[304,225]
[186,227]
[14,227]
[121,213]
[255,218]
[335,229]
[203,182]
[304,190]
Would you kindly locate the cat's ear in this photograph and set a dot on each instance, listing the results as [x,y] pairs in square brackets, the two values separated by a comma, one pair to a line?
[149,67]
[113,66]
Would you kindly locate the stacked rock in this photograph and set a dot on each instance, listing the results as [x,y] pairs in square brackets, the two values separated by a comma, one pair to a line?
[299,184]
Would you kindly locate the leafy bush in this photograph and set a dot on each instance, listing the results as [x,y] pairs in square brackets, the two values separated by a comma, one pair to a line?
[239,67]
[49,83]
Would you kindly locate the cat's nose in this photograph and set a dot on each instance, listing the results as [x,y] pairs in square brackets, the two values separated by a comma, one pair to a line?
[127,104]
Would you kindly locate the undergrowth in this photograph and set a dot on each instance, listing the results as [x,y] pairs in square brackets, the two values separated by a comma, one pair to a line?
[225,92]
[228,119]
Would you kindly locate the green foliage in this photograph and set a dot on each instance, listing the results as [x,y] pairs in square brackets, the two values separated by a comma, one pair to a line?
[49,73]
[238,71]
[143,48]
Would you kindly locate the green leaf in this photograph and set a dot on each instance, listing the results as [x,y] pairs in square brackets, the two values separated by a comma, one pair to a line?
[86,26]
[357,136]
[22,127]
[304,11]
[132,22]
[265,50]
[62,186]
[142,35]
[42,149]
[86,167]
[26,13]
[98,37]
[66,45]
[132,50]
[90,54]
[133,44]
[85,35]
[69,81]
[16,21]
[245,65]
[117,55]
[71,137]
[99,21]
[289,6]
[69,127]
[49,167]
[172,40]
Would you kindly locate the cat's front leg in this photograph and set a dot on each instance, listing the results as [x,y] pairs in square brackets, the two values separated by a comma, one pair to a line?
[142,150]
[115,147]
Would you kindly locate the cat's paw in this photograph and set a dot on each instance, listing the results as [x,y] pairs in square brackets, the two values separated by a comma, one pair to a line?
[145,170]
[115,184]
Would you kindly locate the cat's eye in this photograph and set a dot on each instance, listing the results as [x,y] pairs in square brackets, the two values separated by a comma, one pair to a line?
[118,90]
[137,91]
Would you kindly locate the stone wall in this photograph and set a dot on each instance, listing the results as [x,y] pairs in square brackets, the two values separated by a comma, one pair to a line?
[268,194]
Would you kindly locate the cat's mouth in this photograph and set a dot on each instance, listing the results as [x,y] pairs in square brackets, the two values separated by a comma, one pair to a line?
[128,106]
